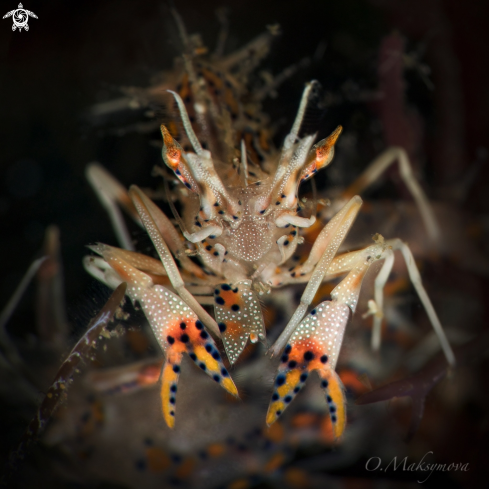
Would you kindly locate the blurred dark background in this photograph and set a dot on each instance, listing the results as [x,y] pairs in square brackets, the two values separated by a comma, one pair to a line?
[79,53]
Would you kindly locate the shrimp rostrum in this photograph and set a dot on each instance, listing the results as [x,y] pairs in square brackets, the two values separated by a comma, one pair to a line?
[243,222]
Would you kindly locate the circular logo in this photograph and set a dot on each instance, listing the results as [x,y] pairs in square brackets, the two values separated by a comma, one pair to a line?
[20,19]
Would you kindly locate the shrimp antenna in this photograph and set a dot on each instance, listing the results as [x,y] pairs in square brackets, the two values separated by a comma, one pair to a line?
[186,123]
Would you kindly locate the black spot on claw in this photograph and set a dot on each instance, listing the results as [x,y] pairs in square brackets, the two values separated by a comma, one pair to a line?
[172,400]
[208,348]
[280,380]
[277,203]
[324,384]
[288,348]
[170,339]
[184,338]
[176,369]
[188,185]
[216,356]
[328,398]
[285,358]
[216,253]
[173,388]
[287,399]
[292,364]
[202,366]
[333,419]
[208,247]
[222,327]
[217,291]
[216,378]
[278,413]
[225,287]
[313,311]
[297,389]
[332,409]
[172,413]
[262,212]
[212,236]
[224,372]
[275,397]
[199,325]
[235,307]
[193,356]
[324,359]
[220,301]
[308,356]
[221,212]
[286,242]
[183,325]
[303,377]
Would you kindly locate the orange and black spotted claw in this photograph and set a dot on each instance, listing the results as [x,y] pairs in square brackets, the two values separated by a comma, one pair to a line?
[176,327]
[189,336]
[178,330]
[313,346]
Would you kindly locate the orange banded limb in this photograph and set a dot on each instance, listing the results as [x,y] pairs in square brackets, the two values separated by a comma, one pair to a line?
[170,373]
[176,327]
[315,345]
[189,336]
[335,397]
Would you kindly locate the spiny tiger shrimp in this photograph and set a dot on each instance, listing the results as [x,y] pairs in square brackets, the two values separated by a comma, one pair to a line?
[242,226]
